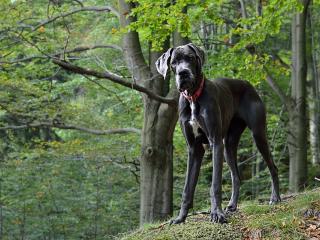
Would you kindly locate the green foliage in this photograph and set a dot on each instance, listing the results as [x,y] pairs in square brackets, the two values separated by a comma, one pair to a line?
[48,192]
[65,184]
[157,20]
[62,184]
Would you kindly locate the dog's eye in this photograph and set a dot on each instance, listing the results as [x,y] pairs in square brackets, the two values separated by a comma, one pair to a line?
[191,58]
[188,58]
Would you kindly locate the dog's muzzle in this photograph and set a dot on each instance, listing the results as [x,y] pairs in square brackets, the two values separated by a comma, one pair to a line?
[185,80]
[185,86]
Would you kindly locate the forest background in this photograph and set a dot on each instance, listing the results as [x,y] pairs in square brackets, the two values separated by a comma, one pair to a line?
[89,143]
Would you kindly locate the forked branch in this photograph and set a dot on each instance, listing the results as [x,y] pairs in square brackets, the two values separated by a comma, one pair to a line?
[114,78]
[83,9]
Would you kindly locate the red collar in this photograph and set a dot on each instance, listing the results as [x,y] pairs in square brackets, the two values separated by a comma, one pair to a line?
[196,94]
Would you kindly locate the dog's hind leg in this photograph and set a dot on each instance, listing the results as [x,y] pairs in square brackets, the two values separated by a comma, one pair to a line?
[259,132]
[231,142]
[262,145]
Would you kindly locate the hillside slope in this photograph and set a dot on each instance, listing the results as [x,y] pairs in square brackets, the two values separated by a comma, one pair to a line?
[297,217]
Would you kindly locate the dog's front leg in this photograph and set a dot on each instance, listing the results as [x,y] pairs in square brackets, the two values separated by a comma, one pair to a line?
[212,124]
[195,155]
[217,214]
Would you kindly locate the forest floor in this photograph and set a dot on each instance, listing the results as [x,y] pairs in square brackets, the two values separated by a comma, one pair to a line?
[296,217]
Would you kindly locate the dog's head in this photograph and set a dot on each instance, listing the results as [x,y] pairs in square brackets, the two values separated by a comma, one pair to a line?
[186,62]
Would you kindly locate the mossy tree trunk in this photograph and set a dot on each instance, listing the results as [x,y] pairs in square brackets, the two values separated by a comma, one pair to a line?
[313,94]
[156,163]
[297,111]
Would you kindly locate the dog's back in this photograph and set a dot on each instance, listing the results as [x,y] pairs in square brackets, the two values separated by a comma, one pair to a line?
[237,98]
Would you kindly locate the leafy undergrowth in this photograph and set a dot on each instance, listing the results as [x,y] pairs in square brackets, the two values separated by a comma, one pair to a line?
[291,219]
[297,217]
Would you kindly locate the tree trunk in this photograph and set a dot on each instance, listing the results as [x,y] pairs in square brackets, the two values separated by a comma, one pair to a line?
[313,97]
[297,112]
[259,7]
[243,9]
[156,163]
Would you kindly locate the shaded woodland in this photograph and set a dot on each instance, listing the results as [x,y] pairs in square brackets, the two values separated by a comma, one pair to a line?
[89,141]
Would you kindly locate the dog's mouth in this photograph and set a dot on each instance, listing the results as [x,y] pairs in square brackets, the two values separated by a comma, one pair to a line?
[184,90]
[185,87]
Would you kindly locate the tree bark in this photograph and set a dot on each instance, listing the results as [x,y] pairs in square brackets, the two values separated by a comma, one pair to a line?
[259,7]
[313,96]
[297,112]
[156,163]
[243,9]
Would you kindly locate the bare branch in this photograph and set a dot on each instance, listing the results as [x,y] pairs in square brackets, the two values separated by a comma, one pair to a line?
[73,127]
[83,9]
[114,78]
[75,50]
[86,48]
[272,83]
[276,57]
[276,88]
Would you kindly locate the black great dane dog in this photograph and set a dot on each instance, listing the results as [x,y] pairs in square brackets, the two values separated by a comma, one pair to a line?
[215,113]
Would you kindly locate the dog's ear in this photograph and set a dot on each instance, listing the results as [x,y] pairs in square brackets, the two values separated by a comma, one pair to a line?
[199,53]
[162,64]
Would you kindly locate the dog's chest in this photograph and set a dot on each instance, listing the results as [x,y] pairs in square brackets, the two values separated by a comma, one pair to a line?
[194,120]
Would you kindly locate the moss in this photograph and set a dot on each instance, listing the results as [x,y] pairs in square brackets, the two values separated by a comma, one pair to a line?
[196,227]
[283,220]
[252,221]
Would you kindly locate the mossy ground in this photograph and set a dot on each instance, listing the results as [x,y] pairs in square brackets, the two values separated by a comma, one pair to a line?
[297,217]
[195,227]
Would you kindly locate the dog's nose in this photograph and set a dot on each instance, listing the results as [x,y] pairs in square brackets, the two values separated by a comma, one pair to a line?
[183,85]
[184,73]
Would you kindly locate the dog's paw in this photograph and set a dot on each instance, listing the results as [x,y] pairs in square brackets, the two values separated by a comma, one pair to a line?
[274,200]
[178,220]
[218,216]
[230,209]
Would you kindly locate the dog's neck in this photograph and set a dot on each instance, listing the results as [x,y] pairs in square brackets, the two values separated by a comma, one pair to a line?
[195,93]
